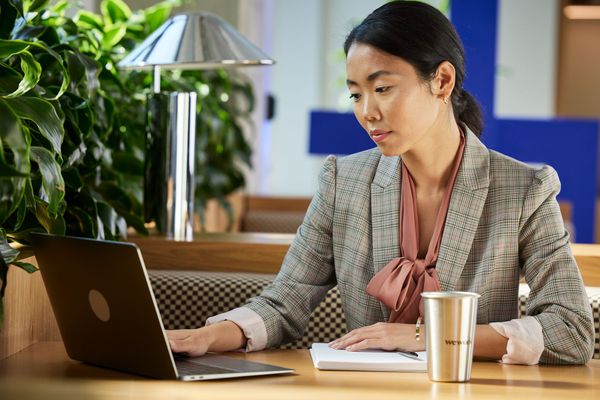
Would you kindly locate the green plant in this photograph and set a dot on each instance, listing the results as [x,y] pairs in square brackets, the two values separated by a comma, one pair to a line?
[72,126]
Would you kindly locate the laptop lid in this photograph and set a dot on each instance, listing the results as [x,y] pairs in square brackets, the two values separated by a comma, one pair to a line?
[104,305]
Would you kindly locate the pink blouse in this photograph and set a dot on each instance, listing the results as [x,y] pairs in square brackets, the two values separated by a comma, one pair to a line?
[400,283]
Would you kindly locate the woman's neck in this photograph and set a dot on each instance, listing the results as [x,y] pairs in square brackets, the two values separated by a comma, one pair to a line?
[430,162]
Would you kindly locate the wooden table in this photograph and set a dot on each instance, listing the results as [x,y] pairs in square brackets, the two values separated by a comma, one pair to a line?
[43,371]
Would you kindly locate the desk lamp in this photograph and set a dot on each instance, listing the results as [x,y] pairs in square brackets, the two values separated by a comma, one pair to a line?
[199,40]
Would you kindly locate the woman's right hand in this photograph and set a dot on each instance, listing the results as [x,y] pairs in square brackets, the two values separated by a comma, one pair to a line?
[222,336]
[191,342]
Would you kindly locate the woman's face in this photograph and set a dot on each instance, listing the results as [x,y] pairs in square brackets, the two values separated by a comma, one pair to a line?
[396,108]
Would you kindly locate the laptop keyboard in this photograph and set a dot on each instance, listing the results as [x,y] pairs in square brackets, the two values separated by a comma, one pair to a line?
[192,368]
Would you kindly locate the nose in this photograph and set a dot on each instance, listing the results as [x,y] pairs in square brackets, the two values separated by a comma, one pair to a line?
[370,109]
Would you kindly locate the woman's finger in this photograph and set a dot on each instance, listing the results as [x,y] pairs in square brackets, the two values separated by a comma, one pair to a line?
[357,335]
[365,344]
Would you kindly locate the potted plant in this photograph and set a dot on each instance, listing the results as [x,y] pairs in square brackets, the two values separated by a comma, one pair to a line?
[72,126]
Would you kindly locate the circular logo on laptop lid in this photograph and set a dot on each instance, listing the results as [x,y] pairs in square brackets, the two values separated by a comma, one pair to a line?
[99,305]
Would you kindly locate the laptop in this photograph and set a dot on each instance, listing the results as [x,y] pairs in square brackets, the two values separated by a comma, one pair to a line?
[108,317]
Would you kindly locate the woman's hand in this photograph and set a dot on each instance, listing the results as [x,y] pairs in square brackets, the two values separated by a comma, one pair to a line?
[382,335]
[222,336]
[192,342]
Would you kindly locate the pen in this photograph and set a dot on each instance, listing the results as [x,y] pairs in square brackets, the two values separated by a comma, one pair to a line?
[410,354]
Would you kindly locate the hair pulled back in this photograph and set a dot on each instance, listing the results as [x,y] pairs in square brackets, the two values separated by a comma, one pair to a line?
[424,37]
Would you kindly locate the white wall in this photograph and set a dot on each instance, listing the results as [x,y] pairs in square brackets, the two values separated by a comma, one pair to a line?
[527,58]
[296,81]
[340,17]
[306,37]
[255,21]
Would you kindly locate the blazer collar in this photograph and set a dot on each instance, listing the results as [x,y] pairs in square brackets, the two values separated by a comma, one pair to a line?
[466,204]
[385,206]
[464,211]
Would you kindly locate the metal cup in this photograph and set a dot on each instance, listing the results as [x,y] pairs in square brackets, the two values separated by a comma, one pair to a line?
[450,319]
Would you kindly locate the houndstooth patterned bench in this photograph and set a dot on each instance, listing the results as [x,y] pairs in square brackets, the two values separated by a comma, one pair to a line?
[187,298]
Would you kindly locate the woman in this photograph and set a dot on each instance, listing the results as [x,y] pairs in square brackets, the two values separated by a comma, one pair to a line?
[430,209]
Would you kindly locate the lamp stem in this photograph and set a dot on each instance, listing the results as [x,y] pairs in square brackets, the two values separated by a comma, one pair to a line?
[156,80]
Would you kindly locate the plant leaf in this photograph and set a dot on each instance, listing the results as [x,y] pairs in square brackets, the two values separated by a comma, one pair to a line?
[88,20]
[9,48]
[28,33]
[3,275]
[28,195]
[115,11]
[55,225]
[52,180]
[87,226]
[9,255]
[14,141]
[16,138]
[32,71]
[107,217]
[127,163]
[112,36]
[72,179]
[12,47]
[42,113]
[115,196]
[25,266]
[34,5]
[21,214]
[61,6]
[31,68]
[156,15]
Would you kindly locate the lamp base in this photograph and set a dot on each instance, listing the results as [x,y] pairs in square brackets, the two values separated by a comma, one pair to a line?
[170,163]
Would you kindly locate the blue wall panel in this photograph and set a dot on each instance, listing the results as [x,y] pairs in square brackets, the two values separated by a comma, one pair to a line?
[336,133]
[570,147]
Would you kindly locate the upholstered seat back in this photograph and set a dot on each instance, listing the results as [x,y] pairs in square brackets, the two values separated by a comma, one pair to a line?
[187,298]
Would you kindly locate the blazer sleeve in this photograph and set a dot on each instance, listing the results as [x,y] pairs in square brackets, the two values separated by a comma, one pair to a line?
[557,299]
[307,272]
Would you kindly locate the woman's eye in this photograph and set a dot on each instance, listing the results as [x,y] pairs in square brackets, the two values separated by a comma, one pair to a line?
[355,96]
[382,89]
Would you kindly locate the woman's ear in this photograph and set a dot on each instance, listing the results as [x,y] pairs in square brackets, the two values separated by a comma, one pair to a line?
[442,84]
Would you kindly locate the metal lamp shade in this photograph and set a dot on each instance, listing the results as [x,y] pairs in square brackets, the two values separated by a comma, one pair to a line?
[198,40]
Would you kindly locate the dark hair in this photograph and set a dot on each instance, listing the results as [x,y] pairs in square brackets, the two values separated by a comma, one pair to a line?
[422,36]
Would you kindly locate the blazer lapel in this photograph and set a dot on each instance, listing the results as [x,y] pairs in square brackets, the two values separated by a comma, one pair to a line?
[464,211]
[385,208]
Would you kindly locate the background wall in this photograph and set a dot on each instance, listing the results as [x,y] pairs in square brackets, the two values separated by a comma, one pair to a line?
[526,76]
[545,66]
[307,38]
[527,58]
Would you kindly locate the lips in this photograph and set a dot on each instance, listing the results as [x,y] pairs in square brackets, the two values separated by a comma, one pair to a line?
[378,135]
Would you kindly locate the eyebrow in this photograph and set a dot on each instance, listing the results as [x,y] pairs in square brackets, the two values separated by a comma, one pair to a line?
[372,76]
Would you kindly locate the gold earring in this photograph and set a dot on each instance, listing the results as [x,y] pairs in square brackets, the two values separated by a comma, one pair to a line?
[446,100]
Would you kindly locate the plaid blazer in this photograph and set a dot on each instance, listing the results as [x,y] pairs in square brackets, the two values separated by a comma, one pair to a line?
[503,222]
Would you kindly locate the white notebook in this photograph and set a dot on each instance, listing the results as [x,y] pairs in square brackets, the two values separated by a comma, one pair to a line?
[324,357]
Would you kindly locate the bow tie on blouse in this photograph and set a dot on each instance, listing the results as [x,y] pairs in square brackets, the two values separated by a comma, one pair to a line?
[400,283]
[399,286]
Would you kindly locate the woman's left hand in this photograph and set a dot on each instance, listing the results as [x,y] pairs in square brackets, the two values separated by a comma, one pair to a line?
[382,335]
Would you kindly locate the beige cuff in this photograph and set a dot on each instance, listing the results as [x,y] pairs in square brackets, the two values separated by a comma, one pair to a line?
[250,323]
